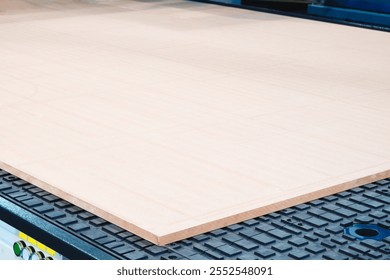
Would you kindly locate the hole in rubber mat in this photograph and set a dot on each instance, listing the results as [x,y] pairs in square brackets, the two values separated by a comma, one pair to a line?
[367,231]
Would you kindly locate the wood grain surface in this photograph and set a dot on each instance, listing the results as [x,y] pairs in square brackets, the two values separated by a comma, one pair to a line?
[173,118]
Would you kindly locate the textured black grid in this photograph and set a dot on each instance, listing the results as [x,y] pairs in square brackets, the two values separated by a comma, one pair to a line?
[314,230]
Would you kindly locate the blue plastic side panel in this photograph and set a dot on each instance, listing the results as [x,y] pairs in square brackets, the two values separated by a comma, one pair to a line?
[380,6]
[379,19]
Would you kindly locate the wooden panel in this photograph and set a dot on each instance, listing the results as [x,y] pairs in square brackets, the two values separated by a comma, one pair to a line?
[174,118]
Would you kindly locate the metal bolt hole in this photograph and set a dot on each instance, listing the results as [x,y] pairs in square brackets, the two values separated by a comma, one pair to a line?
[367,232]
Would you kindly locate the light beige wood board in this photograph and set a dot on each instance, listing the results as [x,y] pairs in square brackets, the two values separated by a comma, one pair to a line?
[174,118]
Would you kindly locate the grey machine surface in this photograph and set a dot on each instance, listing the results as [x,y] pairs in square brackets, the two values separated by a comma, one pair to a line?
[354,224]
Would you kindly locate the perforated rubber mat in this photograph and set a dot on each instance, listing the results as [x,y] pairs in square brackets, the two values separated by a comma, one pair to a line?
[350,225]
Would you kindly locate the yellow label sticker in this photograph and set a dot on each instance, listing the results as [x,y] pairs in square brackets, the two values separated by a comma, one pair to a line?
[51,251]
[22,235]
[41,246]
[37,243]
[32,240]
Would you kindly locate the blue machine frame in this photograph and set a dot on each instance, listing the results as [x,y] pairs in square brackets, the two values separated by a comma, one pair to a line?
[379,6]
[375,12]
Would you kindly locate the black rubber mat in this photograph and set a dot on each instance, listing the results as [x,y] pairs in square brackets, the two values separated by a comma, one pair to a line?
[350,225]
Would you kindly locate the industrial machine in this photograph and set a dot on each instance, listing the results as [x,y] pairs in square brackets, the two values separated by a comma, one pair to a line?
[15,244]
[355,224]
